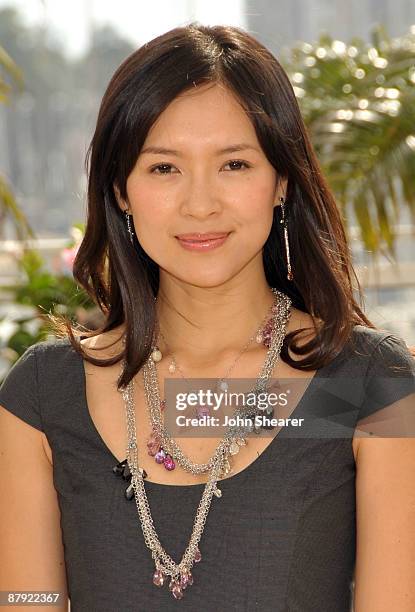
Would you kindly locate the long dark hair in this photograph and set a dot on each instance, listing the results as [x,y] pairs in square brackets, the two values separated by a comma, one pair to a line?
[123,280]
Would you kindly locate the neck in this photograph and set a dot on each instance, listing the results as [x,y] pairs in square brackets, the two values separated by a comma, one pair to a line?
[206,324]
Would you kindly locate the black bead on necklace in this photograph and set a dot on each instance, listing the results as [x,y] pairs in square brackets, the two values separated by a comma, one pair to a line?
[123,469]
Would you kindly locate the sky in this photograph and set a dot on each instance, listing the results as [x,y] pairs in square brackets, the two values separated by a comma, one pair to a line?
[138,20]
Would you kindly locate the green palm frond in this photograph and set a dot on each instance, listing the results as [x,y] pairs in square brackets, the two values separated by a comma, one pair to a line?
[11,76]
[8,69]
[9,205]
[358,101]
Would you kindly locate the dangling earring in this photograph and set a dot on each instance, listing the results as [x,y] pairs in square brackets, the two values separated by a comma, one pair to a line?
[287,246]
[127,216]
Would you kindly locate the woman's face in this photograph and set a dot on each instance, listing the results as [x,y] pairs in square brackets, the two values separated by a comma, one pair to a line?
[196,186]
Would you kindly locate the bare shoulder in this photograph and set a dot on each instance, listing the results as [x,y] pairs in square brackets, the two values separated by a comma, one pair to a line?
[105,345]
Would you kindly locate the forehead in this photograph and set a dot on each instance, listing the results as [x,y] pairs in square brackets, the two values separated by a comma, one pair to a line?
[204,113]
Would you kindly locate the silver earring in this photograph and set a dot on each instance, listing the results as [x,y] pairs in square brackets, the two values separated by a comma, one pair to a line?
[287,246]
[127,216]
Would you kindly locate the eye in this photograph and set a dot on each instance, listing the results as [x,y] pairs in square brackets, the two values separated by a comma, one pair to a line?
[238,162]
[163,167]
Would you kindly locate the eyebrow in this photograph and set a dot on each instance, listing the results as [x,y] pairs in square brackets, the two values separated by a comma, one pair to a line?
[242,146]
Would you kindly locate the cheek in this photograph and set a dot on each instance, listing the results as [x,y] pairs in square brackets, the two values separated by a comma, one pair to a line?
[150,222]
[151,211]
[257,206]
[150,228]
[259,189]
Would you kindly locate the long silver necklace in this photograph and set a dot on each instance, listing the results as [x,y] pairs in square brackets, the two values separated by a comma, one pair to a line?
[180,573]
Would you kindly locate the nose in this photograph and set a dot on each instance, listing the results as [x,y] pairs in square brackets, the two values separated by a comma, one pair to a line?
[200,198]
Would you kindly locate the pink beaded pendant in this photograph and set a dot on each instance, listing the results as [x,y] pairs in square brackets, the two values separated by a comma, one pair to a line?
[160,456]
[152,449]
[176,589]
[186,579]
[158,578]
[267,333]
[153,444]
[169,463]
[178,584]
[202,411]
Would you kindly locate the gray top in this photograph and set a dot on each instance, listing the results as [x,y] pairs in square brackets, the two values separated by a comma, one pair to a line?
[281,538]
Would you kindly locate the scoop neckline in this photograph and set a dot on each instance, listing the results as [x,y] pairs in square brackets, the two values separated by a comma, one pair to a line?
[197,486]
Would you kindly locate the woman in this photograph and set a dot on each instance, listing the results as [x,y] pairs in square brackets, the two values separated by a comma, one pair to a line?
[215,250]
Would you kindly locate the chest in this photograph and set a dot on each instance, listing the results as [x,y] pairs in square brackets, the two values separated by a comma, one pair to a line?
[106,413]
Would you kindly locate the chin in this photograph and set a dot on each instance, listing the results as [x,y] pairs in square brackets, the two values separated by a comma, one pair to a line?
[203,279]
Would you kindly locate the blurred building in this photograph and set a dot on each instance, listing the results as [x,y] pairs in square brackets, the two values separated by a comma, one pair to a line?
[280,23]
[46,127]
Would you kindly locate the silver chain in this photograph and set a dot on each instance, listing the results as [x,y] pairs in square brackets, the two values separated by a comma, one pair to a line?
[180,572]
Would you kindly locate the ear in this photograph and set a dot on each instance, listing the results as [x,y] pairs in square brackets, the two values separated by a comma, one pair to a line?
[280,190]
[121,203]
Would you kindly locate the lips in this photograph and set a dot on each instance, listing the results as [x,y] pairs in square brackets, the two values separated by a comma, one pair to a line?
[202,243]
[199,237]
